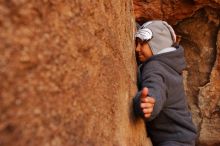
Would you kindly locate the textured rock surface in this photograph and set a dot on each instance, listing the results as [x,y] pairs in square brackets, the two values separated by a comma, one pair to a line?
[209,104]
[173,11]
[197,22]
[67,74]
[200,52]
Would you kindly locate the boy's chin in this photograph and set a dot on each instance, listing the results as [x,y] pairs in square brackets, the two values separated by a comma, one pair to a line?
[143,59]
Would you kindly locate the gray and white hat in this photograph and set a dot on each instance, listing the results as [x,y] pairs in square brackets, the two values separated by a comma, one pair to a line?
[159,35]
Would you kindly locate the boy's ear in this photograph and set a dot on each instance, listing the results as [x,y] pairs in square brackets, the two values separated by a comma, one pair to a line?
[178,39]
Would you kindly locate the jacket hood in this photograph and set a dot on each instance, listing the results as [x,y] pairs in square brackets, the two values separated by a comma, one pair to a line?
[174,59]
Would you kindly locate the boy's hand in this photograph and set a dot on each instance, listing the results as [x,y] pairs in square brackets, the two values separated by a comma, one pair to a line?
[147,103]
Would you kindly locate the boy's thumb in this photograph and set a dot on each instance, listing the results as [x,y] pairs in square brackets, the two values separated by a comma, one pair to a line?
[144,92]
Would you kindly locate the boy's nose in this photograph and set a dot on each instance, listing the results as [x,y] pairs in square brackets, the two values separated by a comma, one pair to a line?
[137,49]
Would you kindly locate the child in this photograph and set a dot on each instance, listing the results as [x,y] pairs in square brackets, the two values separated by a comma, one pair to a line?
[161,99]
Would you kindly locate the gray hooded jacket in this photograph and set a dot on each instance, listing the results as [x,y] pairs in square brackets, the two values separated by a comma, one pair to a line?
[170,119]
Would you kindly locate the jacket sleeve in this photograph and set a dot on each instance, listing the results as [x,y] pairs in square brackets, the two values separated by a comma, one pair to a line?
[154,81]
[136,105]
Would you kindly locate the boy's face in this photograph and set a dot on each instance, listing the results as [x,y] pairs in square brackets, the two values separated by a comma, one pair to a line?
[143,50]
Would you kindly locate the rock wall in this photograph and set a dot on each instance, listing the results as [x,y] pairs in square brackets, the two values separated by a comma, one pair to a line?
[197,22]
[67,74]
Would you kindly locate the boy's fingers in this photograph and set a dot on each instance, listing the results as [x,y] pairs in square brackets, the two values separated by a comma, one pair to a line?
[143,99]
[147,110]
[144,92]
[146,105]
[148,100]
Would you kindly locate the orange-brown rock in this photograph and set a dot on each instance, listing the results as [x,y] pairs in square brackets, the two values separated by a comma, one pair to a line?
[201,53]
[67,74]
[172,11]
[209,104]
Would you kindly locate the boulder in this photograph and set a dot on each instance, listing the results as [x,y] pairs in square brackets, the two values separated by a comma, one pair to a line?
[68,74]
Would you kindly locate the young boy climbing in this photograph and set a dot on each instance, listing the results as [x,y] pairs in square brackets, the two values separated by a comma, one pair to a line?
[161,100]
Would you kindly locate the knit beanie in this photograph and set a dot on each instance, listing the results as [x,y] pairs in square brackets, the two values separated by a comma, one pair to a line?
[159,35]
